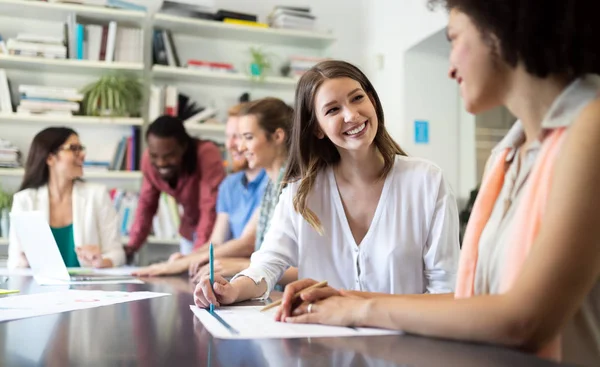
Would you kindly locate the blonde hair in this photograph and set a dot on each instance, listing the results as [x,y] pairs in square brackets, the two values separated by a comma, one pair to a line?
[234,111]
[308,154]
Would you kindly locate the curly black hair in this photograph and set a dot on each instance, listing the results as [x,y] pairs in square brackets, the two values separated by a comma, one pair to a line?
[550,37]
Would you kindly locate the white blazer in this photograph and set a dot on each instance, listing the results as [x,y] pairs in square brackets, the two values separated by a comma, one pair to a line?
[95,220]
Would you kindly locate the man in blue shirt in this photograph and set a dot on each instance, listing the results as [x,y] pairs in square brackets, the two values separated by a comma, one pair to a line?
[238,199]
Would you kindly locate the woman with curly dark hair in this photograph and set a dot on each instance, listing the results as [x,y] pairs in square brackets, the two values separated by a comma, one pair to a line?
[530,263]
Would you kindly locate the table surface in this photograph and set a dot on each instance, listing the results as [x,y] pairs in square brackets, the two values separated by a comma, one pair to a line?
[164,332]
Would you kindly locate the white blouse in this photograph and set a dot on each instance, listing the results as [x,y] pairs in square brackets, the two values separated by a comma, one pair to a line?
[412,245]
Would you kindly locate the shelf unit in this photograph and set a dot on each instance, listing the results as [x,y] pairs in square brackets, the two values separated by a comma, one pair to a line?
[58,11]
[74,120]
[107,175]
[213,30]
[220,30]
[219,78]
[66,65]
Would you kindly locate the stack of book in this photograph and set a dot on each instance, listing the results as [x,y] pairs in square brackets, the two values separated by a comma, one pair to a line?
[45,100]
[290,17]
[120,4]
[10,156]
[301,64]
[34,45]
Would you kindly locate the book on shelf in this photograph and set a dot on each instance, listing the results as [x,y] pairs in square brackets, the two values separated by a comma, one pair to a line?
[48,100]
[6,102]
[10,155]
[164,51]
[187,10]
[247,23]
[120,4]
[289,17]
[165,222]
[127,155]
[221,14]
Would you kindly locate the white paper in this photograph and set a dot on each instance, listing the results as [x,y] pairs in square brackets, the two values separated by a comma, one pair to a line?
[51,281]
[30,305]
[253,324]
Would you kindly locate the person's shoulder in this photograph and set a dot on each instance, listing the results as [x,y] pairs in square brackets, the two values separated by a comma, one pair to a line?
[416,166]
[25,194]
[232,179]
[206,146]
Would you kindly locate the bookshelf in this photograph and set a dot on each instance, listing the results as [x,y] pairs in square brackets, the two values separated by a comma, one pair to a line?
[219,30]
[219,78]
[107,175]
[212,40]
[38,64]
[73,120]
[58,11]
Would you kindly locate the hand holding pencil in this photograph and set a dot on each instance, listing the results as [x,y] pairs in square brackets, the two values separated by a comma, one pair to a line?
[221,292]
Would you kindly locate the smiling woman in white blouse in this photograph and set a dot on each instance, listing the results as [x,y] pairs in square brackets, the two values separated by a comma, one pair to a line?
[357,212]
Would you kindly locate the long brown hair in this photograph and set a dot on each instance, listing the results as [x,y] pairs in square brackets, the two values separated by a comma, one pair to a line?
[309,154]
[46,142]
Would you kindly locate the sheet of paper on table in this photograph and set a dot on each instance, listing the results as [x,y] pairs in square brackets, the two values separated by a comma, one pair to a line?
[30,305]
[250,323]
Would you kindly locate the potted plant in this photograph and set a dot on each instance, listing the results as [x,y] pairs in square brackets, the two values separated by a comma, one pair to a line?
[260,63]
[5,206]
[118,95]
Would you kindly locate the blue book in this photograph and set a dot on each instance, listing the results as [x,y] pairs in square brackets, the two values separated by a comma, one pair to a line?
[79,37]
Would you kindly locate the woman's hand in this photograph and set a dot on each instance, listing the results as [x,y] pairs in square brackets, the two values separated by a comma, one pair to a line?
[221,293]
[90,255]
[313,295]
[164,268]
[226,267]
[195,266]
[338,311]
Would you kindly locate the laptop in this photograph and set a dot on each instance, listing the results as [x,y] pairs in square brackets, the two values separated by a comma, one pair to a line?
[43,255]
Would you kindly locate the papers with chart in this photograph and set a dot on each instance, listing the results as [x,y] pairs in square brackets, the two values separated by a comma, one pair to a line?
[30,305]
[247,322]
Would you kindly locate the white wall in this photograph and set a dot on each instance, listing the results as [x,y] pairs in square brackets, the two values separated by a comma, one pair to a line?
[406,58]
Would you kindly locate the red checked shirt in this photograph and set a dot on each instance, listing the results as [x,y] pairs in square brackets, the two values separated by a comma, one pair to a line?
[197,193]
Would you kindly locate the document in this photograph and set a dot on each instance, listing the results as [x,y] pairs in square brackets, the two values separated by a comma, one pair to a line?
[30,305]
[247,322]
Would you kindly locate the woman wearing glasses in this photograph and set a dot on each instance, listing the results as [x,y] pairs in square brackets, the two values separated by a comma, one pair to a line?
[81,215]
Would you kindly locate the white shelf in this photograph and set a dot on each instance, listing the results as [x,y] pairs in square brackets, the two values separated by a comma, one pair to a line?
[58,12]
[219,78]
[108,175]
[74,120]
[66,65]
[125,240]
[219,30]
[205,128]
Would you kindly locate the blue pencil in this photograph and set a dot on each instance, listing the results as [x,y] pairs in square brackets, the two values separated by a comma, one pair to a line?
[212,270]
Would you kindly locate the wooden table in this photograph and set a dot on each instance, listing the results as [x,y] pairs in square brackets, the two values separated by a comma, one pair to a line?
[164,332]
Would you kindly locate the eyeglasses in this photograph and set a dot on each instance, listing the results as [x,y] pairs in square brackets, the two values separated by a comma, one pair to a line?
[75,148]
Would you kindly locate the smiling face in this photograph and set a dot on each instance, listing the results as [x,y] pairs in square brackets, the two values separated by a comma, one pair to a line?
[345,114]
[479,71]
[67,162]
[257,145]
[166,155]
[232,138]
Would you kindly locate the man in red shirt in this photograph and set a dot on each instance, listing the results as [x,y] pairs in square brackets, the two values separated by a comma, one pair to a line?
[189,170]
